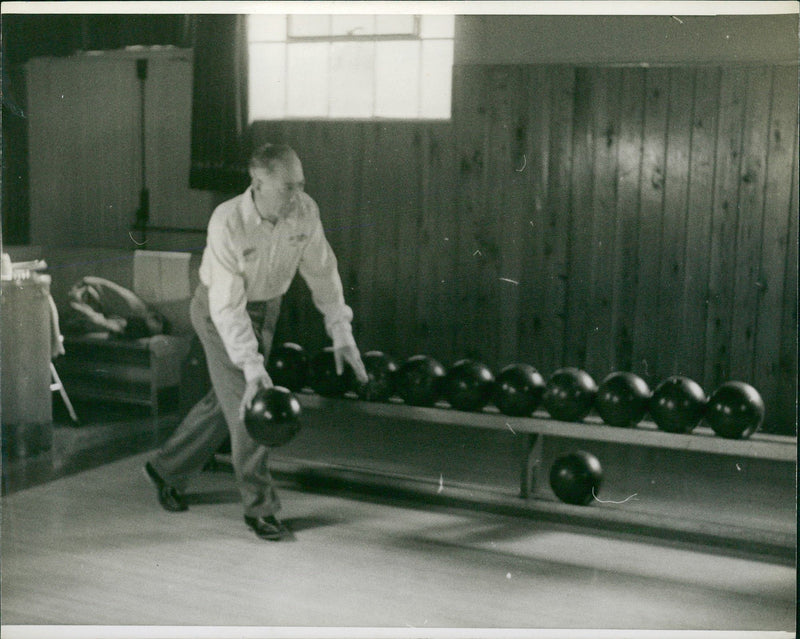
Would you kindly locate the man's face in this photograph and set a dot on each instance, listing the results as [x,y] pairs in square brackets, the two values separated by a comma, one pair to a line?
[275,193]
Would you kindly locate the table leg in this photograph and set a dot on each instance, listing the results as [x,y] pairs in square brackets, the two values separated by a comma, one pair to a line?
[531,463]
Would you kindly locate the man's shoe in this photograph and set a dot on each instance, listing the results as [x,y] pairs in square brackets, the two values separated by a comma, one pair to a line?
[168,496]
[269,528]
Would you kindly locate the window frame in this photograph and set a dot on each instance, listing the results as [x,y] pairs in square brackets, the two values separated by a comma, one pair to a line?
[288,40]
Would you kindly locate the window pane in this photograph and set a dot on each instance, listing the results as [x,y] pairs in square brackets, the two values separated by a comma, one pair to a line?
[307,71]
[352,25]
[267,77]
[394,25]
[352,79]
[306,26]
[266,28]
[384,78]
[437,70]
[397,71]
[437,26]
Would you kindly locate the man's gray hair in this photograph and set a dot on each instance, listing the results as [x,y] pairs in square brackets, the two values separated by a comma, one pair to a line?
[267,156]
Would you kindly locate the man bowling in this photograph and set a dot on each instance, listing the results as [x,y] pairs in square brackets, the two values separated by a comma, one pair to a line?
[256,243]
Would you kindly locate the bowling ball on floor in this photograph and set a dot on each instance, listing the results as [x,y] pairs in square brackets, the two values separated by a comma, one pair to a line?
[576,477]
[518,390]
[622,399]
[420,380]
[273,418]
[735,410]
[288,366]
[677,404]
[322,375]
[569,394]
[468,385]
[381,370]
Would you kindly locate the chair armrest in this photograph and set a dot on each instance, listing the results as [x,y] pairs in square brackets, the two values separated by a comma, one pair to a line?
[167,353]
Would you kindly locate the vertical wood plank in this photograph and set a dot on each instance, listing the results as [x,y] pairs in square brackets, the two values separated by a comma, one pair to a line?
[690,343]
[747,286]
[471,124]
[626,233]
[533,280]
[674,228]
[507,207]
[333,179]
[629,166]
[651,212]
[724,225]
[606,124]
[367,278]
[402,188]
[775,367]
[581,216]
[384,200]
[478,237]
[782,413]
[467,159]
[551,316]
[435,265]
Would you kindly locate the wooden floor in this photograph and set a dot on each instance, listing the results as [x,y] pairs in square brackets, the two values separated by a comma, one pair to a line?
[94,548]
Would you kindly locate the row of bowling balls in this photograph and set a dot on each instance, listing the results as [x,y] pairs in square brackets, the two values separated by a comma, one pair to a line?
[735,410]
[273,419]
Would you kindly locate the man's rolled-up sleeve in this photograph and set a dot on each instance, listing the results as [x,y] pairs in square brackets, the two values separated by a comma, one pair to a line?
[227,303]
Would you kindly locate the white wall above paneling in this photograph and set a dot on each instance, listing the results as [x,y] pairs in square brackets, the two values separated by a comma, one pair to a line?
[626,39]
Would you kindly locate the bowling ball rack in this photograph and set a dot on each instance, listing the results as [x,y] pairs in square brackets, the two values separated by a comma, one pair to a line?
[397,448]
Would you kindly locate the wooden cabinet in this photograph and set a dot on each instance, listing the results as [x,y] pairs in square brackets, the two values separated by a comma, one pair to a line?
[27,406]
[85,146]
[143,372]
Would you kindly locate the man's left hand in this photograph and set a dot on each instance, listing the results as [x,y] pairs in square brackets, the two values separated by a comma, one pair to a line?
[350,355]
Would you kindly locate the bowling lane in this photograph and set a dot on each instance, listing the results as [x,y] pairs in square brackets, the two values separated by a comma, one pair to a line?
[95,548]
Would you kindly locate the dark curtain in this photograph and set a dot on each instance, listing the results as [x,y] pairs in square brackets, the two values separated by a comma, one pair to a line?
[219,103]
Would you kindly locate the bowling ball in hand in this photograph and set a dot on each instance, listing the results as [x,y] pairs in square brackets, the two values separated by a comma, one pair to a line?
[518,390]
[322,375]
[420,380]
[569,394]
[381,370]
[273,418]
[576,477]
[735,410]
[288,366]
[468,385]
[622,399]
[677,404]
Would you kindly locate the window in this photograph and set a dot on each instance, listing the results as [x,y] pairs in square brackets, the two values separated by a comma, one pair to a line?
[350,66]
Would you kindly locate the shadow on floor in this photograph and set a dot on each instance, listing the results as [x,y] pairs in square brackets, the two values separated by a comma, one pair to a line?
[106,433]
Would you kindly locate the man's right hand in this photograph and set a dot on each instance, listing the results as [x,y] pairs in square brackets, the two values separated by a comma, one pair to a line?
[252,387]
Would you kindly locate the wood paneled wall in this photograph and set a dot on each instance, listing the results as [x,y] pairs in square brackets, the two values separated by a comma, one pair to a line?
[611,218]
[639,219]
